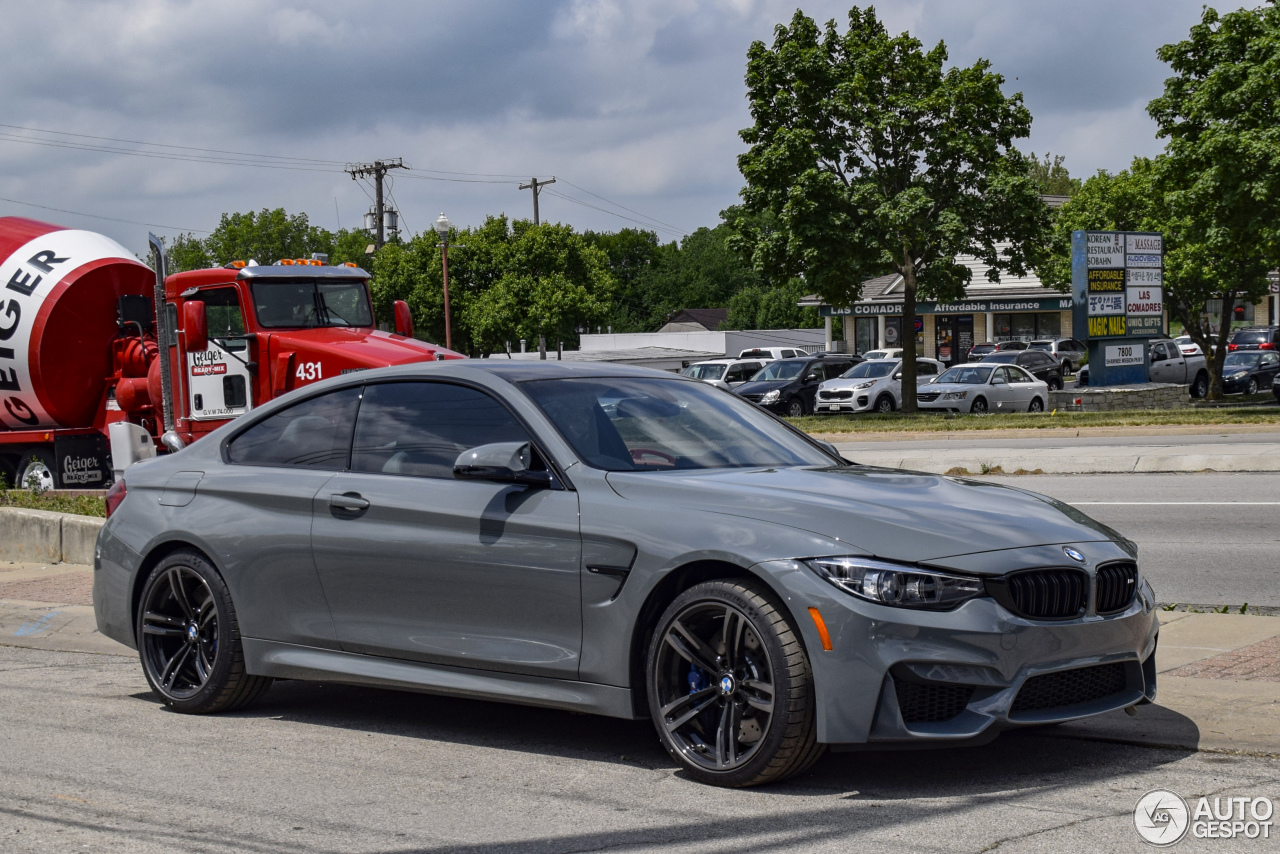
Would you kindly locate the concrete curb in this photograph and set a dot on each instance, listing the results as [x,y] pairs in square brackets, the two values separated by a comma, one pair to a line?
[1079,460]
[41,536]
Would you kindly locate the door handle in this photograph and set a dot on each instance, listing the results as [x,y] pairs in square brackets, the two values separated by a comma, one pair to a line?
[349,502]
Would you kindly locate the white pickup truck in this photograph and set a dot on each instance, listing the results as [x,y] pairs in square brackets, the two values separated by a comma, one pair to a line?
[1168,364]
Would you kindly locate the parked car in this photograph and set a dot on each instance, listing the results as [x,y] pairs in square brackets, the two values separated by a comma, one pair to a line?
[984,387]
[724,373]
[1167,364]
[874,385]
[985,348]
[1068,351]
[772,353]
[1188,346]
[1038,363]
[1246,371]
[482,529]
[1011,345]
[790,386]
[887,353]
[1255,338]
[1275,387]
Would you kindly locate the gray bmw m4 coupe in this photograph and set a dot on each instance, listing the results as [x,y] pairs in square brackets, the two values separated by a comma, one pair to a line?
[619,541]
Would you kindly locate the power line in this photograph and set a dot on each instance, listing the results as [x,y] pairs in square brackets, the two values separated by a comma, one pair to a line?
[612,213]
[624,207]
[166,145]
[97,216]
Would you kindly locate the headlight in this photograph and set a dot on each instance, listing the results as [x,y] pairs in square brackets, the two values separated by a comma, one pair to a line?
[861,386]
[894,584]
[771,396]
[1238,375]
[955,395]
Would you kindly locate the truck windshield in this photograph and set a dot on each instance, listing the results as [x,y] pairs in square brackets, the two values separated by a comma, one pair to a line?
[308,303]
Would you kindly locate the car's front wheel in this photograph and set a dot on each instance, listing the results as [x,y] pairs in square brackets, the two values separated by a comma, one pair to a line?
[189,639]
[1253,386]
[885,403]
[730,688]
[795,407]
[979,406]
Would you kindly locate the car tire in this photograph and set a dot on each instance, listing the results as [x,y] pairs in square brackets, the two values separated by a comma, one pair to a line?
[795,407]
[1037,405]
[1253,386]
[1200,388]
[884,403]
[1055,383]
[732,711]
[189,640]
[979,406]
[1066,367]
[37,463]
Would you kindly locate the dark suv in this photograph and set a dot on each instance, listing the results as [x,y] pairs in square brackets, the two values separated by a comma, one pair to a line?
[789,386]
[1036,362]
[1256,338]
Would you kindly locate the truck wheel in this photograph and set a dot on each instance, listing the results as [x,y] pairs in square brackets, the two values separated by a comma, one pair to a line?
[189,639]
[1200,387]
[730,687]
[35,469]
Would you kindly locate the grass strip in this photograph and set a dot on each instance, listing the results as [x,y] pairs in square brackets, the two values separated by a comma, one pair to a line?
[81,505]
[946,422]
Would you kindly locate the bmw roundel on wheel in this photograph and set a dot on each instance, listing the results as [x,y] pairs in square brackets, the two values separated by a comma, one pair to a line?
[618,541]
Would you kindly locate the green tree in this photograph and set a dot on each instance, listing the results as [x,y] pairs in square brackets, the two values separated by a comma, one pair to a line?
[871,158]
[186,252]
[1051,176]
[761,307]
[632,254]
[266,237]
[1220,173]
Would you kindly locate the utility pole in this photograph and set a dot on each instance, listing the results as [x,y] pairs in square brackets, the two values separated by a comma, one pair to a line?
[378,171]
[536,185]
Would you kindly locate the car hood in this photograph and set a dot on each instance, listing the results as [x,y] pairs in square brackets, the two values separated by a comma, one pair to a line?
[888,513]
[762,386]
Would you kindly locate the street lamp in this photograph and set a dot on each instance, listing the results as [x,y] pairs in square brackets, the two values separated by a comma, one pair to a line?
[442,226]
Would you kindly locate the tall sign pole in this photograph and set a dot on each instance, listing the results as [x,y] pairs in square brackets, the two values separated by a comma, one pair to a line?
[1117,282]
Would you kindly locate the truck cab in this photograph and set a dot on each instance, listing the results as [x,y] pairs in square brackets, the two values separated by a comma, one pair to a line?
[243,334]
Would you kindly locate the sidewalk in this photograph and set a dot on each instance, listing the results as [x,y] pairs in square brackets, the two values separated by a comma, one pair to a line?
[1219,684]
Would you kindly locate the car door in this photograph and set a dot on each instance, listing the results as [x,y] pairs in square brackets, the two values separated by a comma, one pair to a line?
[218,378]
[419,565]
[1023,386]
[1268,366]
[999,395]
[1159,372]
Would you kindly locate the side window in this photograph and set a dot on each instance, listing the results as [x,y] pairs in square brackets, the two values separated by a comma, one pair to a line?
[314,434]
[925,369]
[420,428]
[1000,375]
[222,312]
[835,369]
[1270,360]
[734,374]
[1076,345]
[1020,376]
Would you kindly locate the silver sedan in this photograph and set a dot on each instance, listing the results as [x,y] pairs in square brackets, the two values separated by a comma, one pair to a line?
[981,388]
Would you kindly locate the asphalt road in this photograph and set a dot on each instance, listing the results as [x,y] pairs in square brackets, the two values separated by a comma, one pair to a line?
[92,763]
[1204,539]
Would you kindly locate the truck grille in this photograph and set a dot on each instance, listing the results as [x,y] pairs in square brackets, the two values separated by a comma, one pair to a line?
[928,396]
[1117,585]
[930,702]
[1070,687]
[1042,594]
[835,395]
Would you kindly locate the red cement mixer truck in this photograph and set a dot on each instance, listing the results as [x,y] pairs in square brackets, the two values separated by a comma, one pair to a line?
[92,377]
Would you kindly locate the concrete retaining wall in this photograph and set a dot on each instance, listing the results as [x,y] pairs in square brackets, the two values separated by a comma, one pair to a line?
[1112,398]
[39,536]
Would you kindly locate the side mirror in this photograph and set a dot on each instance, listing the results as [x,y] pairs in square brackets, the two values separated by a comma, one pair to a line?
[813,378]
[502,462]
[195,327]
[404,319]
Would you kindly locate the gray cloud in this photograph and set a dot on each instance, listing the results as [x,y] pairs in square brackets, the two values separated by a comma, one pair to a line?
[639,102]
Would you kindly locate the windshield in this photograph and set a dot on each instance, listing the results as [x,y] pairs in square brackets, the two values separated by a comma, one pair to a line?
[310,303]
[704,372]
[965,375]
[870,370]
[1041,345]
[1241,360]
[788,370]
[626,424]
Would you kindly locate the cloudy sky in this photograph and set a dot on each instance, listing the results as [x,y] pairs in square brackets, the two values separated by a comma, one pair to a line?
[634,106]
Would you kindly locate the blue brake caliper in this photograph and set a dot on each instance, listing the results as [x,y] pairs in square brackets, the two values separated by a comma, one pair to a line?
[696,680]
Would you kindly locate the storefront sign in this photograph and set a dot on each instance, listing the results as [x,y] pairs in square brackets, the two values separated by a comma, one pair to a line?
[981,306]
[1106,281]
[1105,250]
[1100,304]
[1123,279]
[1126,355]
[1144,301]
[1144,327]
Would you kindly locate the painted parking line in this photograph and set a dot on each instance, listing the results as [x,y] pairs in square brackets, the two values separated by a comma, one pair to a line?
[35,626]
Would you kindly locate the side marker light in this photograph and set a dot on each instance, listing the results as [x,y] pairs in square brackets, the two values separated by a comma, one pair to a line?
[823,634]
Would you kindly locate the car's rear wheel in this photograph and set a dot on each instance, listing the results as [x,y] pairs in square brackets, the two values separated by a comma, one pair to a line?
[1037,405]
[1200,387]
[730,688]
[189,640]
[884,403]
[795,407]
[979,406]
[1055,383]
[1066,367]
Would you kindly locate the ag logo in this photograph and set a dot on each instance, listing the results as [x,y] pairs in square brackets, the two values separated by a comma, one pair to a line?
[1161,817]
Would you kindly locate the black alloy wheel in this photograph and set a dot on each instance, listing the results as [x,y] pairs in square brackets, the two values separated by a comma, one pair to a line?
[189,640]
[979,406]
[1055,382]
[729,686]
[1037,405]
[795,407]
[1066,367]
[884,403]
[1253,386]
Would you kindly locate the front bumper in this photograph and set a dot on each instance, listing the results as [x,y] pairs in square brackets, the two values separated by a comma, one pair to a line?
[860,402]
[976,661]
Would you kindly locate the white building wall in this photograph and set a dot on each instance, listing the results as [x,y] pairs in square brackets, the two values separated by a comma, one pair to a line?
[730,343]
